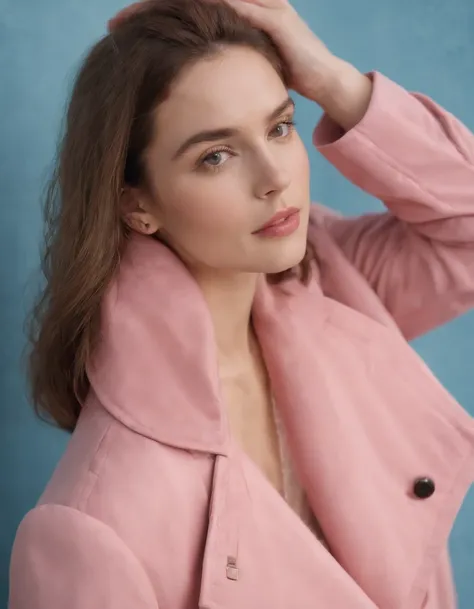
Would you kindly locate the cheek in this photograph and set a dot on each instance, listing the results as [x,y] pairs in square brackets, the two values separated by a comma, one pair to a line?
[201,206]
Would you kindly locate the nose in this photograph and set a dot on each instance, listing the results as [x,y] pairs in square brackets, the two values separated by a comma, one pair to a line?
[271,176]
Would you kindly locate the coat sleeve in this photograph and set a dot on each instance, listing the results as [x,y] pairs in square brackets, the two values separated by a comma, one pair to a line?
[63,558]
[419,160]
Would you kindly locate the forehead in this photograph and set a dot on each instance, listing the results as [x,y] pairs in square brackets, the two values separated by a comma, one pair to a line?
[232,89]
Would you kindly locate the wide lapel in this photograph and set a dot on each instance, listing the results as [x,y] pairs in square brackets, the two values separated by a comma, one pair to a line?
[257,552]
[358,452]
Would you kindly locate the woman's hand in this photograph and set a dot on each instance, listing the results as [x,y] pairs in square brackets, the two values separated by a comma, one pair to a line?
[337,86]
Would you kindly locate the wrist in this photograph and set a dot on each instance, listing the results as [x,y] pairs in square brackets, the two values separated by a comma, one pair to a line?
[344,93]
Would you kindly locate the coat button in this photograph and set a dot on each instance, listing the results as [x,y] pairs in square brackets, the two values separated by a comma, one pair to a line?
[424,488]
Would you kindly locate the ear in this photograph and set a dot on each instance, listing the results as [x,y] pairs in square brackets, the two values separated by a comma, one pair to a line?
[137,212]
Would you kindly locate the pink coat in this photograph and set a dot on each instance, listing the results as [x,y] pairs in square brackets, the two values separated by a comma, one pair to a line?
[154,506]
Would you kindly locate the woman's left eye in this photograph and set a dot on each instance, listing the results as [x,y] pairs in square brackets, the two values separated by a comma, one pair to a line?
[283,129]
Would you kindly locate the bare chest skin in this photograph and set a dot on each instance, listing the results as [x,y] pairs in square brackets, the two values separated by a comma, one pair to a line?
[247,394]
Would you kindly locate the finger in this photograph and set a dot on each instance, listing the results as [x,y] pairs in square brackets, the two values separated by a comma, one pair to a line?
[249,9]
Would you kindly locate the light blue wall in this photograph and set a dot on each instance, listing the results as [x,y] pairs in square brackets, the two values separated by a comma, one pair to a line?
[425,45]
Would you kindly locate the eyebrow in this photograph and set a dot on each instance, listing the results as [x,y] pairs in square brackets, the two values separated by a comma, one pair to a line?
[227,132]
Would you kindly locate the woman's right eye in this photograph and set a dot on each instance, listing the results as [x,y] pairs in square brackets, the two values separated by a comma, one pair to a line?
[215,159]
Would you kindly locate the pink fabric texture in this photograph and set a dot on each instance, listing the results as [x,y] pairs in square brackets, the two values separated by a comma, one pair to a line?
[154,506]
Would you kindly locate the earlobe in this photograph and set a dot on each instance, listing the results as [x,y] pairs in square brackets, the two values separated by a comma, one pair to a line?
[141,223]
[138,224]
[135,213]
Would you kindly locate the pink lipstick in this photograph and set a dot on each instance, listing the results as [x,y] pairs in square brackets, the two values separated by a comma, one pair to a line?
[282,224]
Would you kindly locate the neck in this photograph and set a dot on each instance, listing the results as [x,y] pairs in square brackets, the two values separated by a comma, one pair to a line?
[230,298]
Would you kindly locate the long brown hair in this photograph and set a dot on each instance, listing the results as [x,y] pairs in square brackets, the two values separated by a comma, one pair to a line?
[108,125]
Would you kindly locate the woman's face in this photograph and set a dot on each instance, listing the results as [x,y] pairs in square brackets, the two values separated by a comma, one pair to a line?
[225,158]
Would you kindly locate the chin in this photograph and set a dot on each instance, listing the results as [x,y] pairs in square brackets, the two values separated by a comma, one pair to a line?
[284,257]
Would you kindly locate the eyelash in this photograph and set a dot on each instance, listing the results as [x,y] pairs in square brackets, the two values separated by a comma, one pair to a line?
[201,164]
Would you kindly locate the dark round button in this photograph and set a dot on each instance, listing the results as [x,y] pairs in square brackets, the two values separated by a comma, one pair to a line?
[424,488]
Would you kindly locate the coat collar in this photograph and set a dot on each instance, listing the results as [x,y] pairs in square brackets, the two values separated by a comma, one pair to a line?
[155,368]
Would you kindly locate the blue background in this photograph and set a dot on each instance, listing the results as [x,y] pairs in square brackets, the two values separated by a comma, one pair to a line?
[425,45]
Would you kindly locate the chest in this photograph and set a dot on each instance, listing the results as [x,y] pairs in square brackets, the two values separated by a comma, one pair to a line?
[247,394]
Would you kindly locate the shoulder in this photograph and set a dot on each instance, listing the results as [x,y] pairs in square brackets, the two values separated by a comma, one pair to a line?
[58,549]
[53,524]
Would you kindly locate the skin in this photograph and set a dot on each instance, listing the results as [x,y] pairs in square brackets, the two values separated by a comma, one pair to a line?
[209,200]
[206,201]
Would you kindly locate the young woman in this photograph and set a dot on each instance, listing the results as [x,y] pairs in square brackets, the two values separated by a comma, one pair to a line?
[251,428]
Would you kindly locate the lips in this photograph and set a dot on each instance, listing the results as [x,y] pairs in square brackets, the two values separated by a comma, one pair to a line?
[279,218]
